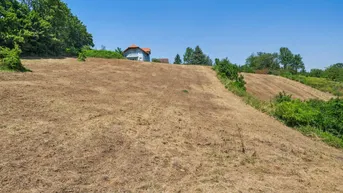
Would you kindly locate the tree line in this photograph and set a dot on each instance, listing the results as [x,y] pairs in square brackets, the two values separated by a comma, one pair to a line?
[194,57]
[41,28]
[284,59]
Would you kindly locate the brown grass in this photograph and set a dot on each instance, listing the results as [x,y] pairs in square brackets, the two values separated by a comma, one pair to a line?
[266,87]
[116,126]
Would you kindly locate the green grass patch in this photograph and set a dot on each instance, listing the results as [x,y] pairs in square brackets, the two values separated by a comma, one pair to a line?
[185,91]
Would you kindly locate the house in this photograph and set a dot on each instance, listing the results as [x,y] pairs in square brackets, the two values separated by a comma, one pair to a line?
[136,53]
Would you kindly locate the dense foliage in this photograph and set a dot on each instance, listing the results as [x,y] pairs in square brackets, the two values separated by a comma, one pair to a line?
[9,59]
[92,53]
[41,28]
[284,60]
[327,116]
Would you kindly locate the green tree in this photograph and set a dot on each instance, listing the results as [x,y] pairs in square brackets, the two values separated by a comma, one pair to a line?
[334,72]
[263,60]
[188,56]
[209,61]
[286,57]
[42,27]
[177,59]
[316,73]
[297,64]
[198,56]
[119,51]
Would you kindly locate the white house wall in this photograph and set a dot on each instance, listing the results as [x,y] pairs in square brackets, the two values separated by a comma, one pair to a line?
[132,53]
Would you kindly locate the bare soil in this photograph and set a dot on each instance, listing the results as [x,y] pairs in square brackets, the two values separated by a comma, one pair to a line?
[123,126]
[266,87]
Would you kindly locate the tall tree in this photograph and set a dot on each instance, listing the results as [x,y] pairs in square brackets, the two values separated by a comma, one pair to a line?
[177,59]
[286,57]
[297,64]
[198,56]
[187,57]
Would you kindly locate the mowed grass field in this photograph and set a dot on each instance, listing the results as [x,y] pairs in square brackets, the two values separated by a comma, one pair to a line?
[123,126]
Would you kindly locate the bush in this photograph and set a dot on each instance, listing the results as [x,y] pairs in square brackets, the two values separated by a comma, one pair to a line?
[102,54]
[324,115]
[283,97]
[226,69]
[82,57]
[156,60]
[296,113]
[10,60]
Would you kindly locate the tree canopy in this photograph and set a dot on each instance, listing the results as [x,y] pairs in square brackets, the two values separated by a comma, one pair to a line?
[196,57]
[42,28]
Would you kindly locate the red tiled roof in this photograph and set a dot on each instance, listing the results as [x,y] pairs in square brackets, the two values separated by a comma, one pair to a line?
[133,46]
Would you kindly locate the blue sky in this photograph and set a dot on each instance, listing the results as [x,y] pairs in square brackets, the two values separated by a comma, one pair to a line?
[222,28]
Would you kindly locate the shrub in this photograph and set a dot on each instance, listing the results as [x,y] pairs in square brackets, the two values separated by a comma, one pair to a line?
[10,60]
[226,69]
[82,57]
[156,60]
[102,54]
[296,113]
[283,97]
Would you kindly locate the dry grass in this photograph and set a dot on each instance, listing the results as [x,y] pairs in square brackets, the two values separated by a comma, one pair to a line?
[116,126]
[266,87]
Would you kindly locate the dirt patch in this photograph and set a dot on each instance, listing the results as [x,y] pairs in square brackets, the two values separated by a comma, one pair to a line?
[268,86]
[117,125]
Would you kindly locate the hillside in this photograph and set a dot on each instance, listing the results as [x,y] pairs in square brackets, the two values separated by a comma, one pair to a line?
[266,87]
[117,126]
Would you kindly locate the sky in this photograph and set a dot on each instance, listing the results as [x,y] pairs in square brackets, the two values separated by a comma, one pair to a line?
[222,28]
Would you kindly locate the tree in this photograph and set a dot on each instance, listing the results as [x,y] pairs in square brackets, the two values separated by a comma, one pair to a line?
[286,57]
[42,27]
[188,56]
[334,72]
[209,61]
[297,64]
[177,59]
[198,56]
[119,51]
[263,60]
[316,73]
[103,47]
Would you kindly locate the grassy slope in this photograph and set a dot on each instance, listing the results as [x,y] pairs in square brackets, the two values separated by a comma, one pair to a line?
[268,107]
[321,84]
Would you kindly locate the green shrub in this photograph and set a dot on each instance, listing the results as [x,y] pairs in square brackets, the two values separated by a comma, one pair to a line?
[155,60]
[102,54]
[82,57]
[296,113]
[10,60]
[283,97]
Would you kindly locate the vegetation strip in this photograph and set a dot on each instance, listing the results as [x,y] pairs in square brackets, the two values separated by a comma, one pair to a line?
[312,117]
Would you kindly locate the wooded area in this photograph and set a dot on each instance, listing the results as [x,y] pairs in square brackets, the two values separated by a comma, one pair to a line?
[42,28]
